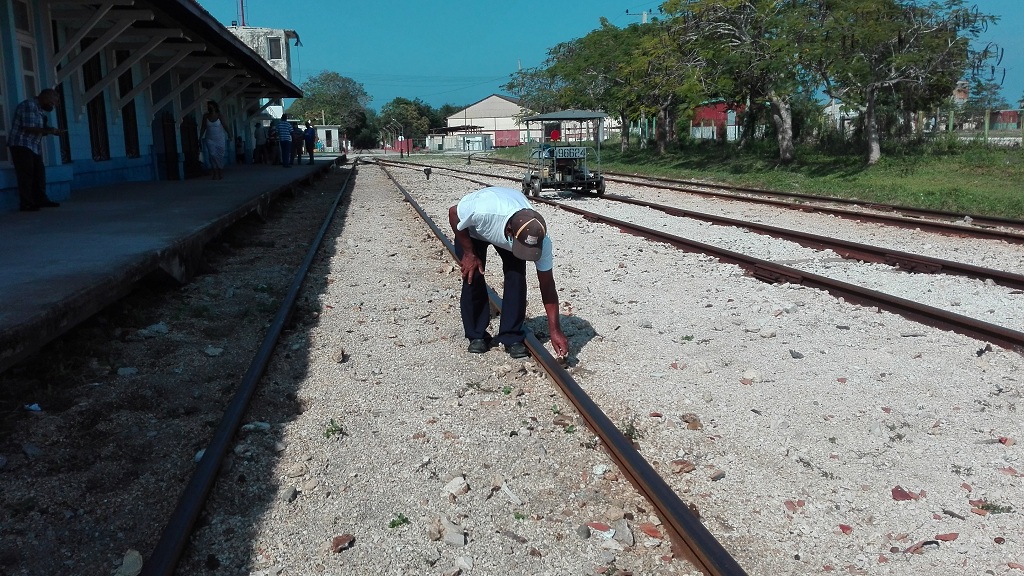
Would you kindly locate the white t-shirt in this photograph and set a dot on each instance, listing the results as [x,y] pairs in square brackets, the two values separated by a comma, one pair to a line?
[485,213]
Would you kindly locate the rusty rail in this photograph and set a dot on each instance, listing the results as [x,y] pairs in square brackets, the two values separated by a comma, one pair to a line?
[690,538]
[769,271]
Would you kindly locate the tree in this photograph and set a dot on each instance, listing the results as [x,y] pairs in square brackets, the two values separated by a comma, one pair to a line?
[537,88]
[896,46]
[412,117]
[754,51]
[336,99]
[664,72]
[439,117]
[590,73]
[984,95]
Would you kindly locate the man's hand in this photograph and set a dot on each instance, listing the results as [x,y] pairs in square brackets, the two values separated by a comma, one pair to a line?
[470,264]
[560,343]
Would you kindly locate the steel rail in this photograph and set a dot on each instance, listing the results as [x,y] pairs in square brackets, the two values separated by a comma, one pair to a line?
[690,537]
[845,248]
[770,271]
[164,559]
[976,219]
[889,220]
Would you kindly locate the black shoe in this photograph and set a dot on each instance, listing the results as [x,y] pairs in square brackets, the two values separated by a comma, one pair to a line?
[49,204]
[28,208]
[517,350]
[477,346]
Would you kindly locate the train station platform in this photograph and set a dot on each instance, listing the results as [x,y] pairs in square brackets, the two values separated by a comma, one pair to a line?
[60,266]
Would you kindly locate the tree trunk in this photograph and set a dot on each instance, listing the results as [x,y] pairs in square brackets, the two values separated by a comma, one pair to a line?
[750,116]
[871,129]
[664,125]
[644,136]
[662,132]
[625,130]
[782,117]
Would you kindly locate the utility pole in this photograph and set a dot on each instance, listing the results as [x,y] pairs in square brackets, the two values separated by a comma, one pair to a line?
[643,15]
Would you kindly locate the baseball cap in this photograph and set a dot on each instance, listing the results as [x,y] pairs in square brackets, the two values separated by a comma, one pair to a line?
[528,229]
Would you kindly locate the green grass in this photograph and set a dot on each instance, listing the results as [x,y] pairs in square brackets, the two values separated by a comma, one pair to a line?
[941,174]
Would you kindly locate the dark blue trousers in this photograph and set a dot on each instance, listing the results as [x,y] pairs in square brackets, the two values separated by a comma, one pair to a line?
[30,173]
[286,153]
[476,308]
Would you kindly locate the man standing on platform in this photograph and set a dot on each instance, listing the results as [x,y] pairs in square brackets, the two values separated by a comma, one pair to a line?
[259,153]
[284,136]
[25,140]
[502,217]
[309,135]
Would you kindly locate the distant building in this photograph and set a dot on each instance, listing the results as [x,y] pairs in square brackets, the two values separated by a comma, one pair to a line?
[494,122]
[483,125]
[718,120]
[274,46]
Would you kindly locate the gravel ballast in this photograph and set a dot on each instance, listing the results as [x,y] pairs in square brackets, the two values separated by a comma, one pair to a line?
[811,435]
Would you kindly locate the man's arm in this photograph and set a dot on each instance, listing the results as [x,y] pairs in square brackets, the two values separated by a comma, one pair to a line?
[469,263]
[42,130]
[549,296]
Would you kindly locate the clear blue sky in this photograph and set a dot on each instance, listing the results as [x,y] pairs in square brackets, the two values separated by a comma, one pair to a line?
[460,51]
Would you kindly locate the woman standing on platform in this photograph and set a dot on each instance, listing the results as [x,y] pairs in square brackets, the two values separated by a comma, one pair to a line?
[214,134]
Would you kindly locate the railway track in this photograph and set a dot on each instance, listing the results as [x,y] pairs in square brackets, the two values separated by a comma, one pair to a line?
[937,220]
[164,559]
[692,540]
[774,272]
[957,225]
[689,536]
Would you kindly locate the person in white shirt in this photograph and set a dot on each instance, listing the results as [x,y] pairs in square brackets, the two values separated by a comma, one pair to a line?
[503,218]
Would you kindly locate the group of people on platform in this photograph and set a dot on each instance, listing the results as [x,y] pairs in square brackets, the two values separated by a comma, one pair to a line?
[283,143]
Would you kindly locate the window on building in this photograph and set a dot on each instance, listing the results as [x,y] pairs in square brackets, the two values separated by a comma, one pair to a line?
[96,109]
[26,47]
[129,119]
[274,45]
[22,16]
[28,67]
[328,135]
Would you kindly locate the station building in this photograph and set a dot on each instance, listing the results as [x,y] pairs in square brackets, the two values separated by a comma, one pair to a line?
[496,122]
[133,77]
